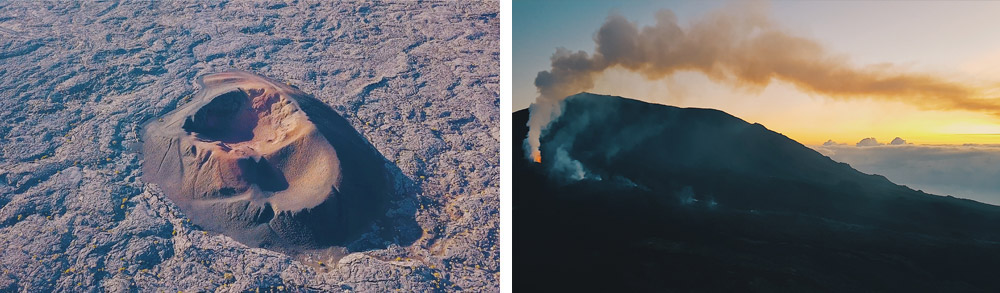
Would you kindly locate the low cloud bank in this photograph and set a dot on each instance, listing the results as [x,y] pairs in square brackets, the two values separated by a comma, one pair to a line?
[966,171]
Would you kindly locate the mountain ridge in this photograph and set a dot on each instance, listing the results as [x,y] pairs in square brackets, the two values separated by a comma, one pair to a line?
[709,189]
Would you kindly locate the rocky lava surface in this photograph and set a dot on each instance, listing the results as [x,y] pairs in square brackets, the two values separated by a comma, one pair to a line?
[79,80]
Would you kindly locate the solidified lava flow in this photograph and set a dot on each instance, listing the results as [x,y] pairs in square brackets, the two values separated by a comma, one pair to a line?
[266,164]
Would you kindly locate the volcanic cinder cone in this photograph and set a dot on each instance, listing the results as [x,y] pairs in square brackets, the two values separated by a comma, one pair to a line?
[266,164]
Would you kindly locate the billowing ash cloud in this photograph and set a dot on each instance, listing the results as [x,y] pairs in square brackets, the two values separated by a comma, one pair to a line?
[868,141]
[738,45]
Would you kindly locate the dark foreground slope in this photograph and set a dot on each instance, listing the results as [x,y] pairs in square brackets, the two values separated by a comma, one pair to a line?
[699,200]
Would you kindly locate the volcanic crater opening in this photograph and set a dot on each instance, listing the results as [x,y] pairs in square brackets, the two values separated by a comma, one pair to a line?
[266,164]
[228,118]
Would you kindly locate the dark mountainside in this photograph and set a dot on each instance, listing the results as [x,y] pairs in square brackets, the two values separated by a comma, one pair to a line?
[698,200]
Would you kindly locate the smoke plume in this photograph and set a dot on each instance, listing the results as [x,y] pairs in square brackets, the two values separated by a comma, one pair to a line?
[740,46]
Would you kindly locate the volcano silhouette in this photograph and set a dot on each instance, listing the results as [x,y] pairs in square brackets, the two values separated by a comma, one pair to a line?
[632,196]
[266,164]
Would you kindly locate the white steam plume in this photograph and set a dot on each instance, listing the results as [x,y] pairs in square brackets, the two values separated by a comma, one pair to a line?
[740,46]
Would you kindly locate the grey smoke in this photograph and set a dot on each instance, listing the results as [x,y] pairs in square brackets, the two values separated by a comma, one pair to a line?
[570,168]
[686,196]
[738,45]
[559,145]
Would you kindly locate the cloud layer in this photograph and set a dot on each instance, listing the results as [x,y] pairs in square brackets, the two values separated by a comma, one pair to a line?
[968,171]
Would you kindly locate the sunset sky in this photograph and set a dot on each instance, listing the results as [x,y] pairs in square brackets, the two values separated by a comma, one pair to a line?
[955,43]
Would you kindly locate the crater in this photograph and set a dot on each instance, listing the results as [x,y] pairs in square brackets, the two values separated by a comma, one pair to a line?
[266,164]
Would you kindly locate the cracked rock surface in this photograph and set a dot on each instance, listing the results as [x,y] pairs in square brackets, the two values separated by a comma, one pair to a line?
[78,80]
